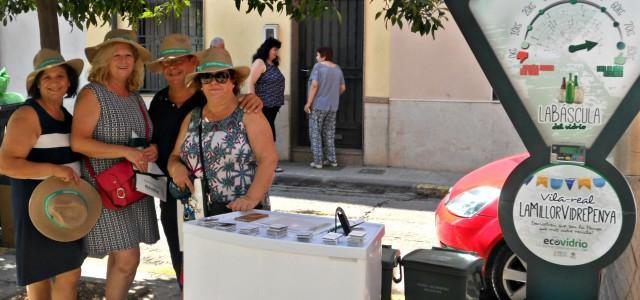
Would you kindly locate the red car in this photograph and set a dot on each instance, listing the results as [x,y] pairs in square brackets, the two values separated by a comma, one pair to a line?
[467,219]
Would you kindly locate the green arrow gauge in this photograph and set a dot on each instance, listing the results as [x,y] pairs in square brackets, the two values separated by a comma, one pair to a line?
[586,45]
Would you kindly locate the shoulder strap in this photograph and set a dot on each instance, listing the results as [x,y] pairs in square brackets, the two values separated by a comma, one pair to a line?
[205,182]
[146,121]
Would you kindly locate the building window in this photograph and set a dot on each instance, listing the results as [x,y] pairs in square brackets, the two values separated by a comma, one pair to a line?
[271,31]
[151,33]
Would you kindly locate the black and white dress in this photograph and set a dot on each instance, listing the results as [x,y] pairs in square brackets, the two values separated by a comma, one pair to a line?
[38,257]
[136,223]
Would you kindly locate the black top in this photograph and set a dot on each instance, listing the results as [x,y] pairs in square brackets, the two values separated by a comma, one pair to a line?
[38,257]
[167,118]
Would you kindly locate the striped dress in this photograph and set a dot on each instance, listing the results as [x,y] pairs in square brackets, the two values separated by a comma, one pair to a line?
[38,257]
[137,223]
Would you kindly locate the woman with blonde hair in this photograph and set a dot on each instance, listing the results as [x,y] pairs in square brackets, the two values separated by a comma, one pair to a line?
[110,125]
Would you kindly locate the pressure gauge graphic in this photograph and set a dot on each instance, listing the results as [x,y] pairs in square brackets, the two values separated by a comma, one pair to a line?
[570,61]
[558,25]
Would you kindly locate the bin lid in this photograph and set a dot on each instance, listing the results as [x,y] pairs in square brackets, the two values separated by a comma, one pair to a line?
[449,261]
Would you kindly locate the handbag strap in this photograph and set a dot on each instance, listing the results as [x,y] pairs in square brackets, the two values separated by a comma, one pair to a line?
[205,183]
[147,129]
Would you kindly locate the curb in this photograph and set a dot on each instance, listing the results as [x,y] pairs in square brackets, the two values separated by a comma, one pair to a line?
[432,190]
[426,189]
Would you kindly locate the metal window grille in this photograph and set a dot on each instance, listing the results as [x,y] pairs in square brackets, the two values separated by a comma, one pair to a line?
[151,32]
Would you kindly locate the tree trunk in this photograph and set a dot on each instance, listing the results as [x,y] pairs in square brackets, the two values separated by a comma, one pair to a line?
[48,22]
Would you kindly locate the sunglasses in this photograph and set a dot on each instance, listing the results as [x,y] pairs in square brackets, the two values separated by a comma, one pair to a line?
[220,77]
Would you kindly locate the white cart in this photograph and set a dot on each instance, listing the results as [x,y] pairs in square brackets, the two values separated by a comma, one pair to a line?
[233,266]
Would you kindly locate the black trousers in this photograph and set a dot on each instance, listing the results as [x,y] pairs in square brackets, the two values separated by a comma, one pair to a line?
[169,220]
[270,113]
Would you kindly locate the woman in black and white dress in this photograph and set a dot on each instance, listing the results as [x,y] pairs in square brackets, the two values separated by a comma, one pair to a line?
[36,146]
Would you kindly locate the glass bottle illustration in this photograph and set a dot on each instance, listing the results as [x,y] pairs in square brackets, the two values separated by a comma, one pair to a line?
[563,90]
[579,92]
[571,91]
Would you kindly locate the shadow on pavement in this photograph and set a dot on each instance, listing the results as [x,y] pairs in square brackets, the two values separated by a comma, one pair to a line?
[93,289]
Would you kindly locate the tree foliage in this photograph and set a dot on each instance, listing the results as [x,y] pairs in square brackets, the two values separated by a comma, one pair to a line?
[83,13]
[422,16]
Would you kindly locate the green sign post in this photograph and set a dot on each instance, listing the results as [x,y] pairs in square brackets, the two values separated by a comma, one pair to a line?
[567,75]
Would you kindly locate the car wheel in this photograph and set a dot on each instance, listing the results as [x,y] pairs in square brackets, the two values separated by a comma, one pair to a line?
[508,275]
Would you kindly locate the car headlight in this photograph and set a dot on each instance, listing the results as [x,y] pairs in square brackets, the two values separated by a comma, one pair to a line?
[469,203]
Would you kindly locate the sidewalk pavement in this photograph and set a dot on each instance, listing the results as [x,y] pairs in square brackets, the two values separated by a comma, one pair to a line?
[160,286]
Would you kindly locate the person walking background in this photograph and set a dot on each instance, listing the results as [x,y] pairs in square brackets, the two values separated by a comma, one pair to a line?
[217,42]
[36,146]
[266,81]
[168,109]
[327,84]
[109,114]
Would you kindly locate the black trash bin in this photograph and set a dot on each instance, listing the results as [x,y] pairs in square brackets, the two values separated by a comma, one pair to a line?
[390,260]
[442,274]
[6,214]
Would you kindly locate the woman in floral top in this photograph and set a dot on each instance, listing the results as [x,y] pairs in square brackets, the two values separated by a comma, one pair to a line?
[238,152]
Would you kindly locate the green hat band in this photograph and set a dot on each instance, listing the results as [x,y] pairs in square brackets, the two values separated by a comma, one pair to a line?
[213,64]
[50,61]
[174,51]
[56,194]
[124,37]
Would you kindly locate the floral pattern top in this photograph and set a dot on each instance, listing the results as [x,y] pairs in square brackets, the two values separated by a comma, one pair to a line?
[228,158]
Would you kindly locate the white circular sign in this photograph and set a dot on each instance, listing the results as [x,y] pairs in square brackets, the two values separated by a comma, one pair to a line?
[567,214]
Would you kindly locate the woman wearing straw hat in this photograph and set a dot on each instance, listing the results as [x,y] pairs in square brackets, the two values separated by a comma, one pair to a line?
[168,109]
[109,115]
[36,146]
[238,152]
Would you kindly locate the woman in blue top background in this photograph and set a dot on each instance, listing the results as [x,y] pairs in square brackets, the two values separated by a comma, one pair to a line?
[327,84]
[267,82]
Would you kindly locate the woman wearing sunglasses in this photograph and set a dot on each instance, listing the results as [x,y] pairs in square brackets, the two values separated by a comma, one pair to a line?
[233,153]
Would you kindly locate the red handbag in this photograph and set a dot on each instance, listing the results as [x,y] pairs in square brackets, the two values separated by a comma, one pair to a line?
[117,184]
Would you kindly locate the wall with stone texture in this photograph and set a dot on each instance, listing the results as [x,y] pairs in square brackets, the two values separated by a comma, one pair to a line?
[620,280]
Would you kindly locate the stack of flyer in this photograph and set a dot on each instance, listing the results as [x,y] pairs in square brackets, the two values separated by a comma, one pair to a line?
[356,238]
[304,236]
[224,226]
[249,230]
[209,222]
[277,231]
[331,238]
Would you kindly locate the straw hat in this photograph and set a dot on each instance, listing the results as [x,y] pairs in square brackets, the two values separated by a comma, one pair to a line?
[48,58]
[215,60]
[64,211]
[119,36]
[173,46]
